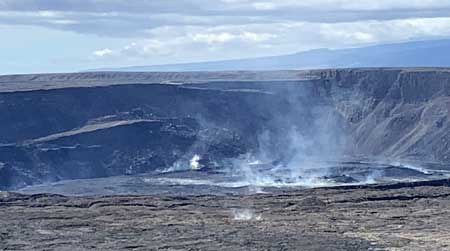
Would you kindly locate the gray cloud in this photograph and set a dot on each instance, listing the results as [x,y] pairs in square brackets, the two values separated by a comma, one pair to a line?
[132,18]
[102,6]
[169,31]
[218,6]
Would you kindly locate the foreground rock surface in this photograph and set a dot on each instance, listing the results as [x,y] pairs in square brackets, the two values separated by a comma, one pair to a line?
[411,216]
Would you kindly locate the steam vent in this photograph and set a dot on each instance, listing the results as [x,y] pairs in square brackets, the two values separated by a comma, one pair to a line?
[347,159]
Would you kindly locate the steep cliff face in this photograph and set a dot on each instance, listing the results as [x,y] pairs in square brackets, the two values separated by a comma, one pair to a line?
[396,113]
[88,125]
[125,129]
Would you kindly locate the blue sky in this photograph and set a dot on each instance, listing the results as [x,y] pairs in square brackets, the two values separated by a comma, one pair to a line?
[74,35]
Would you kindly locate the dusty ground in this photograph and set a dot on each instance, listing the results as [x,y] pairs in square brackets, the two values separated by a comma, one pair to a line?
[412,216]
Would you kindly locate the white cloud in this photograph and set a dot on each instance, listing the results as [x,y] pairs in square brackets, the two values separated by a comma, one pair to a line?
[62,21]
[147,48]
[49,14]
[384,31]
[161,31]
[103,52]
[213,38]
[257,37]
[234,1]
[223,37]
[121,18]
[137,50]
[170,44]
[338,5]
[265,5]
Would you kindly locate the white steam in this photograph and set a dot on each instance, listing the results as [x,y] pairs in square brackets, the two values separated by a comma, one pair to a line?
[412,167]
[257,174]
[296,149]
[373,176]
[184,164]
[194,162]
[245,215]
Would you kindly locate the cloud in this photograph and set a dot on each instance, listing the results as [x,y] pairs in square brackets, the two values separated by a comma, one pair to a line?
[142,49]
[257,37]
[119,18]
[213,38]
[161,31]
[146,48]
[204,6]
[223,37]
[385,31]
[265,6]
[235,41]
[103,52]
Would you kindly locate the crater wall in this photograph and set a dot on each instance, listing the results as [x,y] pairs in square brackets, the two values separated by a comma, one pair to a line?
[86,125]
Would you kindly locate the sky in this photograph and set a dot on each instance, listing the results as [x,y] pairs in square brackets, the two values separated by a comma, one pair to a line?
[74,35]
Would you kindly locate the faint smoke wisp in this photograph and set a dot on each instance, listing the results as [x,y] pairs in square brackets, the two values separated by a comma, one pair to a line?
[296,148]
[245,215]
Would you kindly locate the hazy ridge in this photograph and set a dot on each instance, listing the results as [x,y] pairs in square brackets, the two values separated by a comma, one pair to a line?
[429,53]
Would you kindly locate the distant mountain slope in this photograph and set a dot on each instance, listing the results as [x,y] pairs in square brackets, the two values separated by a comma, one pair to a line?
[432,53]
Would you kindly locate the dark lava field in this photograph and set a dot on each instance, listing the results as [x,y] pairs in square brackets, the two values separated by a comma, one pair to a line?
[349,159]
[405,216]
